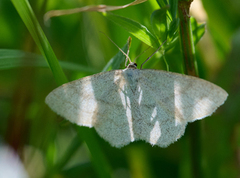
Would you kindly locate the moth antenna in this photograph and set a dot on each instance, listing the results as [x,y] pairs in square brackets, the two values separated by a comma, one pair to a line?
[153,53]
[141,54]
[129,42]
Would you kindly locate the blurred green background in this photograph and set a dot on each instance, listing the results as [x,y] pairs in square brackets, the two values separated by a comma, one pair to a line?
[50,146]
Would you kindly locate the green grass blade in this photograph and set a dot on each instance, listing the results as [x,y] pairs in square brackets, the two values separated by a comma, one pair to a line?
[26,13]
[136,29]
[198,30]
[99,160]
[159,23]
[115,62]
[10,59]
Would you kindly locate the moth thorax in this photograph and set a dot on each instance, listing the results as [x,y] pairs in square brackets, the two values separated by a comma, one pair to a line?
[132,65]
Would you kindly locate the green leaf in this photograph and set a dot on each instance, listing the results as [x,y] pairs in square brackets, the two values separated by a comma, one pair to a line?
[65,158]
[197,30]
[159,23]
[173,8]
[117,60]
[10,59]
[162,3]
[173,28]
[99,161]
[134,28]
[26,13]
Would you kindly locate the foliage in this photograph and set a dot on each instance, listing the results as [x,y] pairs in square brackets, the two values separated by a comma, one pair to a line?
[72,47]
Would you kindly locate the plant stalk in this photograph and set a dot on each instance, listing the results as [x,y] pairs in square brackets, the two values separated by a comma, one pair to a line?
[190,68]
[186,38]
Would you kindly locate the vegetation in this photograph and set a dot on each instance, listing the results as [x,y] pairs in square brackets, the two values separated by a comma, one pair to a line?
[36,56]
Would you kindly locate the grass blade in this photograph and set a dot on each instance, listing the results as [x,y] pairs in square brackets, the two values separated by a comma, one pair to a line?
[134,28]
[26,13]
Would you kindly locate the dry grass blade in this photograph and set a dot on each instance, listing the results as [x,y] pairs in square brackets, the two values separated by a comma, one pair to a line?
[98,8]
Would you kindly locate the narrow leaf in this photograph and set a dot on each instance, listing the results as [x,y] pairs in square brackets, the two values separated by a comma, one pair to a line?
[115,62]
[26,13]
[198,30]
[134,28]
[159,23]
[10,59]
